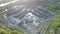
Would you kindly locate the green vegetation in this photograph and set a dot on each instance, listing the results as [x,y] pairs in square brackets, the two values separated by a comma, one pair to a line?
[9,30]
[54,26]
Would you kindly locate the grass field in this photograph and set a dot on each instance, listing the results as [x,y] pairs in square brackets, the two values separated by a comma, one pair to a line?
[9,30]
